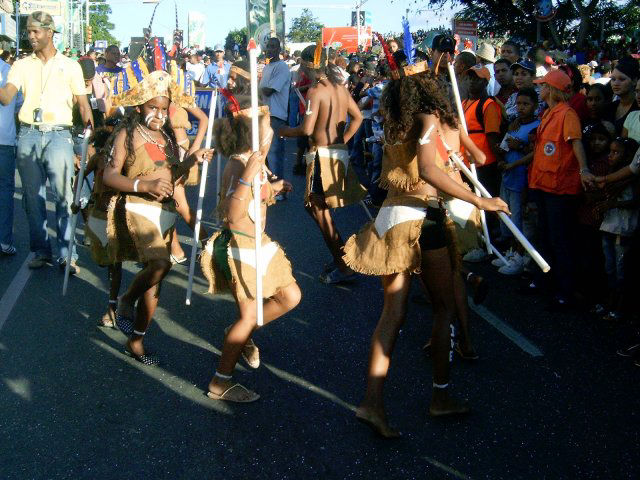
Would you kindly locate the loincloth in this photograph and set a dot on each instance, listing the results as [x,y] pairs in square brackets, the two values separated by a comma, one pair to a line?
[329,173]
[228,263]
[393,242]
[139,229]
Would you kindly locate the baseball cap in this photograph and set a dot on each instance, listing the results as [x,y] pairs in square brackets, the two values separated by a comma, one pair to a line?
[593,64]
[548,60]
[557,79]
[481,71]
[218,48]
[444,43]
[525,64]
[41,19]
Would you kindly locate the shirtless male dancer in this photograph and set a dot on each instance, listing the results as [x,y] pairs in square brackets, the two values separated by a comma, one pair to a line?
[331,182]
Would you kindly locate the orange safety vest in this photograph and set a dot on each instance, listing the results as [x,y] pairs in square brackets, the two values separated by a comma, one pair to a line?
[555,168]
[476,129]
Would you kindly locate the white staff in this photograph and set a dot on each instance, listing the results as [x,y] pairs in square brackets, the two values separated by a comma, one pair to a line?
[218,167]
[503,216]
[76,201]
[257,181]
[456,94]
[203,185]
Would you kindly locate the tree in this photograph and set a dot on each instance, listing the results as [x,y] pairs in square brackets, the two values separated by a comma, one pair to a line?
[576,21]
[305,28]
[100,24]
[237,37]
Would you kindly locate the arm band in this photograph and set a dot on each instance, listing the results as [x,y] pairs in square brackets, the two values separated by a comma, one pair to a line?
[243,182]
[135,185]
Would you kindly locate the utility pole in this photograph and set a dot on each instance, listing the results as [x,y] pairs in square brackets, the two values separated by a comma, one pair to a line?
[16,9]
[272,20]
[86,18]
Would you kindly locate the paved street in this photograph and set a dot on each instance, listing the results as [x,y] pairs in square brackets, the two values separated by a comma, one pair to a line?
[550,398]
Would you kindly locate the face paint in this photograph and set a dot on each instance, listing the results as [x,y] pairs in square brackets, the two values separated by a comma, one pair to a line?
[151,116]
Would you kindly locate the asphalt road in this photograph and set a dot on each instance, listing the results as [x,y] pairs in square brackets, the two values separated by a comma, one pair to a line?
[72,405]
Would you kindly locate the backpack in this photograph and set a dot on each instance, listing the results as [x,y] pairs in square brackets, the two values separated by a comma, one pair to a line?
[504,124]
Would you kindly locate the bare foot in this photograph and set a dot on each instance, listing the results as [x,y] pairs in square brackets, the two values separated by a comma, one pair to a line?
[377,421]
[443,405]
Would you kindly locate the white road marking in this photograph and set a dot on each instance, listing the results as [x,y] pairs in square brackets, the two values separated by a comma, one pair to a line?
[12,294]
[520,340]
[447,468]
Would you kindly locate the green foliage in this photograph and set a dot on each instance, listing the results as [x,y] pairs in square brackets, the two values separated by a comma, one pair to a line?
[237,37]
[305,28]
[100,24]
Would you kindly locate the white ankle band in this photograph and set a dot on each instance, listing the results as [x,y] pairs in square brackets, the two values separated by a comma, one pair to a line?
[469,275]
[141,334]
[113,302]
[437,385]
[223,377]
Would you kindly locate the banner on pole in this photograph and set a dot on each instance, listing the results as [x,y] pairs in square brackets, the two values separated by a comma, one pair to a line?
[259,21]
[52,7]
[203,102]
[197,28]
[347,37]
[466,35]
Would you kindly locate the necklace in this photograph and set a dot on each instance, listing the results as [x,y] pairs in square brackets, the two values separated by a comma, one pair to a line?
[144,134]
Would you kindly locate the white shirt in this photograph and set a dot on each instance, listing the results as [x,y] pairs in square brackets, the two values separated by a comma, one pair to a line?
[493,86]
[7,113]
[197,70]
[276,76]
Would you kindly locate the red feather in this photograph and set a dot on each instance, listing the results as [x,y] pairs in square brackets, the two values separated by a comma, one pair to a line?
[235,106]
[387,53]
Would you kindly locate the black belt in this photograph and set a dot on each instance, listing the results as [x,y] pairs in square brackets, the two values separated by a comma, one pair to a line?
[45,127]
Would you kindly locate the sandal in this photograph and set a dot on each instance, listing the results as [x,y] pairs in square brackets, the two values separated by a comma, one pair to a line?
[145,359]
[234,394]
[336,276]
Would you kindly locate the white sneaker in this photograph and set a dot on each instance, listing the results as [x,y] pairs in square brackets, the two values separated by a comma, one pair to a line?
[514,267]
[475,256]
[496,262]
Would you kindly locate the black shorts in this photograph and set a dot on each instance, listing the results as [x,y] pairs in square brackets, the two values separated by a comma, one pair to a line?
[434,234]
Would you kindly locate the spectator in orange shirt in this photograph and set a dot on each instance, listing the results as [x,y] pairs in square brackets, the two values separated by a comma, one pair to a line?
[559,166]
[484,115]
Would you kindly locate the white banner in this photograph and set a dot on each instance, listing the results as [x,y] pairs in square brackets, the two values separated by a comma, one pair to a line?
[197,29]
[52,7]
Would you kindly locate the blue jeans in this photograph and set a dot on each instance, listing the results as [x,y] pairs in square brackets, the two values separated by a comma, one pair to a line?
[514,200]
[7,188]
[276,151]
[40,157]
[294,103]
[615,249]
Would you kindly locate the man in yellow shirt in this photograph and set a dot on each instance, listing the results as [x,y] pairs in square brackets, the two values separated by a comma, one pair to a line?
[50,83]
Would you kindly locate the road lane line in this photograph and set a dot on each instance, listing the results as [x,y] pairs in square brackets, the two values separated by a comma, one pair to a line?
[14,290]
[520,340]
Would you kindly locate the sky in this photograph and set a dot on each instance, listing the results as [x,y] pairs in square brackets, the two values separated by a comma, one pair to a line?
[130,16]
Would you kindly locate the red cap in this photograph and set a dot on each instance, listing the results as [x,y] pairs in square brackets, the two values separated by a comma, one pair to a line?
[557,79]
[252,44]
[481,71]
[548,60]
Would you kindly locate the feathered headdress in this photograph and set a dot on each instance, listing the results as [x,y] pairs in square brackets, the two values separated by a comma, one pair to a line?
[408,42]
[395,74]
[317,55]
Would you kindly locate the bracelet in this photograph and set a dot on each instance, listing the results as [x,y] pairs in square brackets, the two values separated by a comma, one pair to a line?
[243,182]
[135,185]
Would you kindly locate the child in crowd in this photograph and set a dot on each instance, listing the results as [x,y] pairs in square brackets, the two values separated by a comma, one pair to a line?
[591,278]
[514,173]
[619,223]
[631,126]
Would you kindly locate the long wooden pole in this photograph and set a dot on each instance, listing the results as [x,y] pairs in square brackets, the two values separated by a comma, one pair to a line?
[456,94]
[203,186]
[257,181]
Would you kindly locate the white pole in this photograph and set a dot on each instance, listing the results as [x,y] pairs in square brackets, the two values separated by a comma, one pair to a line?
[358,25]
[203,185]
[76,200]
[218,169]
[257,203]
[503,216]
[87,45]
[456,94]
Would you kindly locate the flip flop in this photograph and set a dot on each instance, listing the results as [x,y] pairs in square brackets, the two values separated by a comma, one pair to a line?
[253,361]
[228,395]
[124,323]
[177,260]
[145,359]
